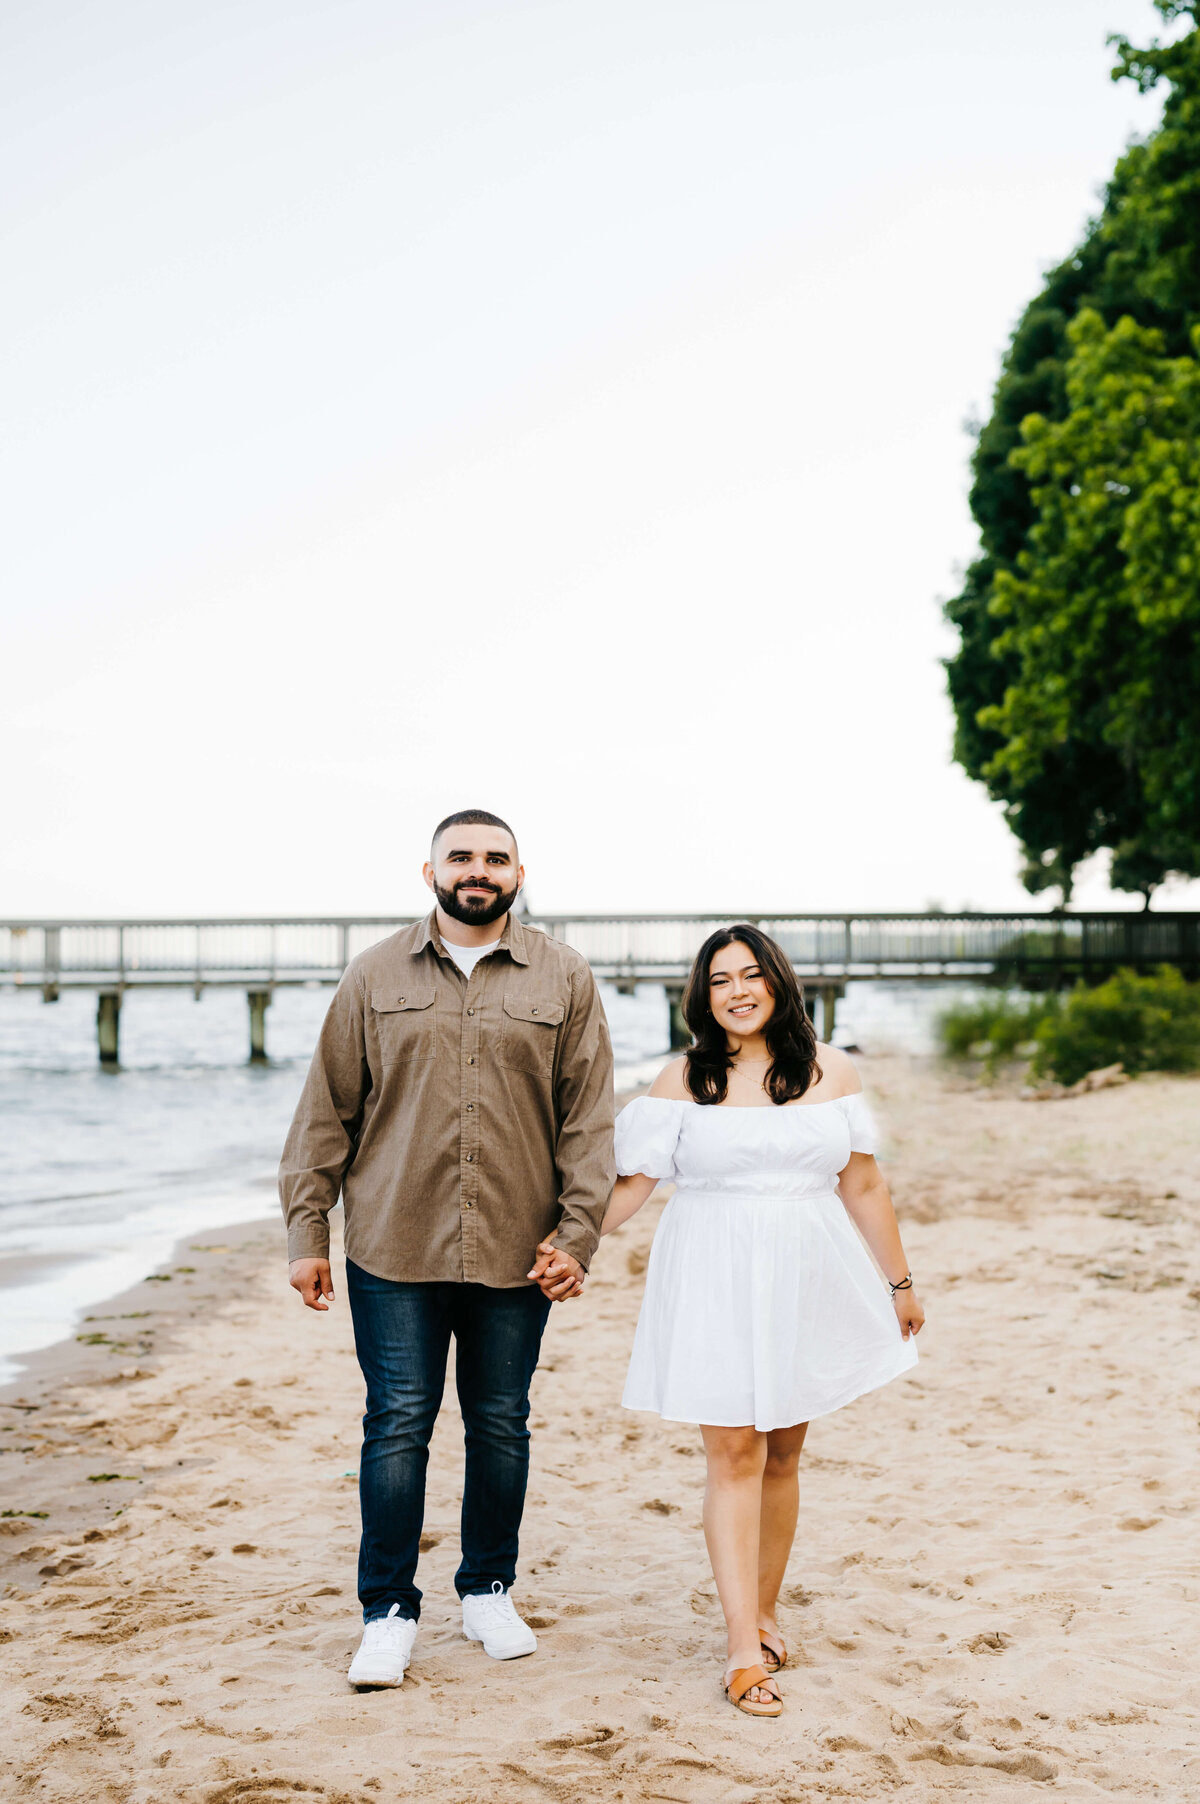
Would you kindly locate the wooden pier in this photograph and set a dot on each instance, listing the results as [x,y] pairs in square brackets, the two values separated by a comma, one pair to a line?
[1039,951]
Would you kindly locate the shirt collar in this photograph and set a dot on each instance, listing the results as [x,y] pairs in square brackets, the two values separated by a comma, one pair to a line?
[512,940]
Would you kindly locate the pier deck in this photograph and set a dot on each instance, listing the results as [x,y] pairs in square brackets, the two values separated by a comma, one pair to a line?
[827,951]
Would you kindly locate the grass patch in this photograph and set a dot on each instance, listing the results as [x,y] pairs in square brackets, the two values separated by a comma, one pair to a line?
[995,1028]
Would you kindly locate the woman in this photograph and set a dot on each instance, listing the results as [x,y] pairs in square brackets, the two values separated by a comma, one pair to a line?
[762,1310]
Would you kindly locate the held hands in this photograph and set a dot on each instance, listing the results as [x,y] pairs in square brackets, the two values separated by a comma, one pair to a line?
[909,1312]
[311,1277]
[556,1274]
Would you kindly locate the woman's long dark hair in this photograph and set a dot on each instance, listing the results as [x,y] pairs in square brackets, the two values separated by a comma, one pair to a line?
[789,1034]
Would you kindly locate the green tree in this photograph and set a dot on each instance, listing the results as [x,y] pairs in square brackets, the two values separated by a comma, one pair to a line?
[1077,622]
[1101,615]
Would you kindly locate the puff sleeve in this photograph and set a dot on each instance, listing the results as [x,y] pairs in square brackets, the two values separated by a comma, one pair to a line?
[646,1136]
[863,1135]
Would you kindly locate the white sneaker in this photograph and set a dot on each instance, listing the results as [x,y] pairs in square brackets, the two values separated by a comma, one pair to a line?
[493,1620]
[384,1651]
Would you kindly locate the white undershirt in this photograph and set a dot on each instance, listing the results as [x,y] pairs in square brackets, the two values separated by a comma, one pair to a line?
[467,957]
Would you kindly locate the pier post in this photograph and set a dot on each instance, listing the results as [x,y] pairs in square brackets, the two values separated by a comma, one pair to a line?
[680,1035]
[260,1002]
[108,1025]
[830,993]
[51,960]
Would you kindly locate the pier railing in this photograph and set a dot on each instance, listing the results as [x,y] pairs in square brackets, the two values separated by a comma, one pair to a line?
[1043,950]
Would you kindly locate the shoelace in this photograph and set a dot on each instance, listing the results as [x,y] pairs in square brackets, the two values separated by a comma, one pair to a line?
[496,1603]
[385,1629]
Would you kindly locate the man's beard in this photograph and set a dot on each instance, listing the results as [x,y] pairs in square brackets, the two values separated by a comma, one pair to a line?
[480,911]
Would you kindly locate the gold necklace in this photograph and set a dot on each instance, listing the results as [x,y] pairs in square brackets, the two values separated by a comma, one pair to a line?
[758,1082]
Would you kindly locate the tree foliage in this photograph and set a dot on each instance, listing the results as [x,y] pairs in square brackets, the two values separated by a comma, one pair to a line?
[1076,681]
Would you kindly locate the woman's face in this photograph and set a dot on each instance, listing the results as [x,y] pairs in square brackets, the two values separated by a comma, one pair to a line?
[738,994]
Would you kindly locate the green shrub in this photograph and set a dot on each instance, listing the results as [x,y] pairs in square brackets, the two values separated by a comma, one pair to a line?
[1148,1023]
[993,1027]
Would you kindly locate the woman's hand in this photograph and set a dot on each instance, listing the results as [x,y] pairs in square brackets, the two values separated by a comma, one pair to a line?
[909,1312]
[557,1275]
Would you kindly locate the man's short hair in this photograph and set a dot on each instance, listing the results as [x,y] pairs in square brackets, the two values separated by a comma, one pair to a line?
[470,817]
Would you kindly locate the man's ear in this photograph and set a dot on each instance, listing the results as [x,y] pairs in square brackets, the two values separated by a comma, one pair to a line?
[427,873]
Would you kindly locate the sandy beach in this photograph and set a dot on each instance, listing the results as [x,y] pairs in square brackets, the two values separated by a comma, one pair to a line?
[995,1590]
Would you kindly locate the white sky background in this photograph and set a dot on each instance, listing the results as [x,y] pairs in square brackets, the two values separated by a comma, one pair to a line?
[555,408]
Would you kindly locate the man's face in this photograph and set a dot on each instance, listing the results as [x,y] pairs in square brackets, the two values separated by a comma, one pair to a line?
[474,874]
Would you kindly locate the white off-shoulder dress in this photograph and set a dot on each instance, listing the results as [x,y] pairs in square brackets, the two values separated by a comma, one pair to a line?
[762,1305]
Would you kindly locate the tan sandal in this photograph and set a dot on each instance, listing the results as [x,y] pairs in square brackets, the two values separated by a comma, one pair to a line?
[747,1678]
[774,1662]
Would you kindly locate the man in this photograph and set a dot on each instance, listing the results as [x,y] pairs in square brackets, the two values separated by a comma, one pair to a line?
[461,1100]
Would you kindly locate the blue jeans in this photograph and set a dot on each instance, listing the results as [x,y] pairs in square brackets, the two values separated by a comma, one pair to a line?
[402,1333]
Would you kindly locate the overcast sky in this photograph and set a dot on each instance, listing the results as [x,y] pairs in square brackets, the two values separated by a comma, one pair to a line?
[414,404]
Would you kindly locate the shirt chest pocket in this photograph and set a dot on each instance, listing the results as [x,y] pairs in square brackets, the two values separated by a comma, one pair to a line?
[404,1023]
[529,1034]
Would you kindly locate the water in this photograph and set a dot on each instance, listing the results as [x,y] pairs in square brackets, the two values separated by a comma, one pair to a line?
[103,1172]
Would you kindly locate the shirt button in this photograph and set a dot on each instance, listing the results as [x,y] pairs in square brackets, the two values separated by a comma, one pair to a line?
[470,1158]
[468,1205]
[471,1060]
[533,1011]
[470,1108]
[402,1001]
[470,1011]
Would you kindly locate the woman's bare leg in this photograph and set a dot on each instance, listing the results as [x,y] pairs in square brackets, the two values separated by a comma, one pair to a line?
[777,1523]
[733,1502]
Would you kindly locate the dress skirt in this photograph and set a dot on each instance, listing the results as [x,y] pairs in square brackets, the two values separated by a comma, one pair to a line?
[760,1309]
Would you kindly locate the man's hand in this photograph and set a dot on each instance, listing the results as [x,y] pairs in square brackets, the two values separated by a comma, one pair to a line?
[556,1274]
[311,1277]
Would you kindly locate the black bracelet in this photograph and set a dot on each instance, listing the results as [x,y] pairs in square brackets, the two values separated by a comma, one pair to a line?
[904,1284]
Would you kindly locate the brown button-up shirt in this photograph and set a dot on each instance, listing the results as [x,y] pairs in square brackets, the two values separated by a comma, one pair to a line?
[462,1120]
